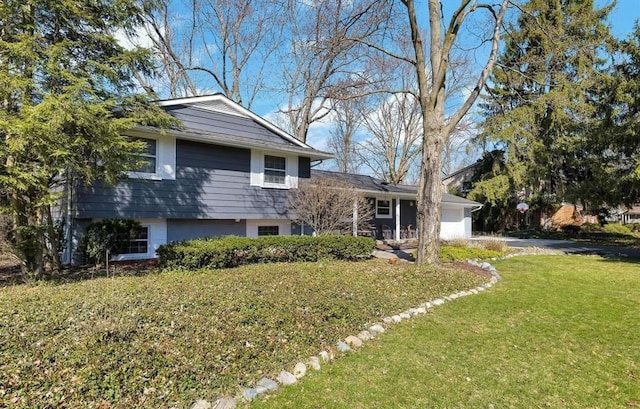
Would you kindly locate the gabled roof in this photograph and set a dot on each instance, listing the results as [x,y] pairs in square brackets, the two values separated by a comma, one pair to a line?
[461,170]
[371,185]
[215,118]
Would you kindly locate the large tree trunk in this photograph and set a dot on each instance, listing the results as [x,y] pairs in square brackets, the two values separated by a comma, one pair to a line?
[432,96]
[430,193]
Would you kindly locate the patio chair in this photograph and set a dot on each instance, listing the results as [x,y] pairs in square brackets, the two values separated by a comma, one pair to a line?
[411,233]
[387,234]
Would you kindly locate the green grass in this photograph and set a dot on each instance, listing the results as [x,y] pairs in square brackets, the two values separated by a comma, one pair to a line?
[170,338]
[557,332]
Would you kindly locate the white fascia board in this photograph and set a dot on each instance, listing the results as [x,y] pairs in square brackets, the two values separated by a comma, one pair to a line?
[458,205]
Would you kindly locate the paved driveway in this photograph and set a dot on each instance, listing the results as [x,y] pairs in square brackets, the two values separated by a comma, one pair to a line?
[571,247]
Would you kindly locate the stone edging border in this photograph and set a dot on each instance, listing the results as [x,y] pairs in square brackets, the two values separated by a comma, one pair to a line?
[265,385]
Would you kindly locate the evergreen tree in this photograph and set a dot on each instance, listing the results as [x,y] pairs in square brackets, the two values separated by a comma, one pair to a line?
[617,142]
[545,102]
[66,97]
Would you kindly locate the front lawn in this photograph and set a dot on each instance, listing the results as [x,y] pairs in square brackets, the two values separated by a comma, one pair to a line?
[556,332]
[170,338]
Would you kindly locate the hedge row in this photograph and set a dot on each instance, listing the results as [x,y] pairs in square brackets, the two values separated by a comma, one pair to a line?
[233,251]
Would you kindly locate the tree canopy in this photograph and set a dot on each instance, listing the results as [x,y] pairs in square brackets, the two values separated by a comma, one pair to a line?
[559,105]
[66,97]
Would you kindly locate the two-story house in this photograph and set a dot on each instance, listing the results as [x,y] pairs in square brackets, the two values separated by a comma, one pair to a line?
[226,171]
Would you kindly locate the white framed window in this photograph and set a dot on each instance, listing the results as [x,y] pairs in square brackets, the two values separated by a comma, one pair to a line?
[266,227]
[158,157]
[268,231]
[148,156]
[152,236]
[139,245]
[274,170]
[383,208]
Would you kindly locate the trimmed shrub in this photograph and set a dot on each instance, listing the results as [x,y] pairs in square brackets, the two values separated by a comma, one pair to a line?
[233,251]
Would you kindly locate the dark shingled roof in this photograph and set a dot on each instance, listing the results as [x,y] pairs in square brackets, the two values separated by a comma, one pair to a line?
[370,184]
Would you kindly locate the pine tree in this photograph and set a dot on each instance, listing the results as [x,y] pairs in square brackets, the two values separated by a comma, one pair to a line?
[544,102]
[66,97]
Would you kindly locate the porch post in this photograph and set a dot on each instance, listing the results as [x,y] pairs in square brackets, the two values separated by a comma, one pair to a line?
[355,217]
[397,235]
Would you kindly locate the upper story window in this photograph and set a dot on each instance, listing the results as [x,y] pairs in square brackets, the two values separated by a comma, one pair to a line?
[275,169]
[149,155]
[383,208]
[158,157]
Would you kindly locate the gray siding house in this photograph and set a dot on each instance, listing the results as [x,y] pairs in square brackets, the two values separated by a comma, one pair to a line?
[226,171]
[229,171]
[394,207]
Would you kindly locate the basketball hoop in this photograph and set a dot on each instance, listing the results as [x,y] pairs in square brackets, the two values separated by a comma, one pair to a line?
[522,207]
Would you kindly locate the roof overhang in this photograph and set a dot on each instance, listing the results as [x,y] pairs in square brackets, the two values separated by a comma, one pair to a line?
[235,106]
[237,142]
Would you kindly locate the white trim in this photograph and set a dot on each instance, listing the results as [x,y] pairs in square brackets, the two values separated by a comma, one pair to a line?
[397,235]
[257,170]
[384,216]
[165,157]
[157,237]
[284,226]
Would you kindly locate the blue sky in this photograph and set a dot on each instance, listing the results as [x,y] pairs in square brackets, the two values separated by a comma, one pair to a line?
[621,20]
[623,16]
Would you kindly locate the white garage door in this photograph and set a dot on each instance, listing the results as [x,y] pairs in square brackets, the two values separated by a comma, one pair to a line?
[452,223]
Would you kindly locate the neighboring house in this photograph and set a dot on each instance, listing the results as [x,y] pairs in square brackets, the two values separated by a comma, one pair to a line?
[461,179]
[395,207]
[226,171]
[630,215]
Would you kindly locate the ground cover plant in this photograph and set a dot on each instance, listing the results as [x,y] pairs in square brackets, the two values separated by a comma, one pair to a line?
[462,249]
[169,338]
[556,332]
